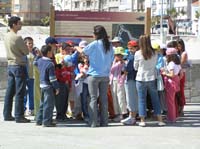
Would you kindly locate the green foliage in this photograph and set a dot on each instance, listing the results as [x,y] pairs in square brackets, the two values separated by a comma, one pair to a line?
[45,21]
[172,13]
[197,14]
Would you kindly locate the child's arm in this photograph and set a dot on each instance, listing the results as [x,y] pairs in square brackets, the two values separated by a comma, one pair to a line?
[52,78]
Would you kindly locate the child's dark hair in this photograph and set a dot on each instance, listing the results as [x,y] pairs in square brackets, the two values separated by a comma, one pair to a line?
[13,20]
[45,49]
[26,39]
[175,58]
[172,44]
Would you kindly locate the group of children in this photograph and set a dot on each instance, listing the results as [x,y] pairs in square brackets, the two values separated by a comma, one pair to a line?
[63,81]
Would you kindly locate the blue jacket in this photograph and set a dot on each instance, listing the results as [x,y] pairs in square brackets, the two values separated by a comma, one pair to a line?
[47,72]
[129,67]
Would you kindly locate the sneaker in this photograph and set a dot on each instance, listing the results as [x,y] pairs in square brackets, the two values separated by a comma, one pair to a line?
[128,121]
[161,124]
[52,124]
[142,124]
[11,118]
[23,120]
[118,118]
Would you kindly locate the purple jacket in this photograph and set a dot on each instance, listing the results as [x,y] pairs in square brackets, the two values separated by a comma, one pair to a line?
[117,66]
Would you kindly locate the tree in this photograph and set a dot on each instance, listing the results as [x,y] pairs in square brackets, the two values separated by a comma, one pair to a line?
[45,21]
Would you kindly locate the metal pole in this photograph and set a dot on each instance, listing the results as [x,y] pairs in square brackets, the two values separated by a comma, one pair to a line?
[161,23]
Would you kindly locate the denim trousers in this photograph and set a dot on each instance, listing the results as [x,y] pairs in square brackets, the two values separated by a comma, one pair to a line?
[47,101]
[29,97]
[100,84]
[142,88]
[84,100]
[131,95]
[61,101]
[16,87]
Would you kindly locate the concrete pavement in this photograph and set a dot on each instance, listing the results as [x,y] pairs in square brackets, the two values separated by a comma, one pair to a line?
[185,134]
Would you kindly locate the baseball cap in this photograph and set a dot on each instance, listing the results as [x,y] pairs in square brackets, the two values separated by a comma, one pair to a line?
[116,39]
[50,40]
[171,51]
[64,45]
[70,42]
[120,50]
[83,44]
[132,43]
[156,46]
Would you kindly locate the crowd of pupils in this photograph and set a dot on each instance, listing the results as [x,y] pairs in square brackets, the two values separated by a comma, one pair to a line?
[123,105]
[94,81]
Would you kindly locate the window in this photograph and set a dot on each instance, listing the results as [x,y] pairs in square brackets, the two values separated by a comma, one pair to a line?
[76,4]
[88,3]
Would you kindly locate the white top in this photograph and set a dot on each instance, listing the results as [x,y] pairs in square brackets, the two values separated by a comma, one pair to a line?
[146,68]
[172,66]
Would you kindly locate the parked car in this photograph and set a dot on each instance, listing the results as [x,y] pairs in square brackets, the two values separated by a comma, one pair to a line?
[156,28]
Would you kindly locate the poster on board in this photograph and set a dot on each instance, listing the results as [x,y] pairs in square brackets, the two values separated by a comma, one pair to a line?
[78,25]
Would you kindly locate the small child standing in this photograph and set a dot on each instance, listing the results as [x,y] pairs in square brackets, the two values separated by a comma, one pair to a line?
[29,97]
[117,78]
[49,87]
[172,82]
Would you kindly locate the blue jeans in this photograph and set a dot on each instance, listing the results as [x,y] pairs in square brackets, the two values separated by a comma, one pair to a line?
[100,84]
[29,94]
[47,101]
[142,88]
[61,101]
[131,95]
[84,100]
[16,87]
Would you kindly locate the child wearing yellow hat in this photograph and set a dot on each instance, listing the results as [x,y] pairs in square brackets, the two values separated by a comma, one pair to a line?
[117,78]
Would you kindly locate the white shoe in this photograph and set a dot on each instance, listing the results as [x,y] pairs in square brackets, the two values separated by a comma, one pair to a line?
[117,118]
[129,121]
[142,124]
[161,124]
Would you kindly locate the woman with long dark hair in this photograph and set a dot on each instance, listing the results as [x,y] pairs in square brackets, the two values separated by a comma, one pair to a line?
[145,63]
[184,64]
[101,55]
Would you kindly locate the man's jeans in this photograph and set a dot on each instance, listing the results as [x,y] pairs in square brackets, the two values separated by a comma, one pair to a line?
[29,97]
[16,87]
[100,84]
[47,101]
[142,88]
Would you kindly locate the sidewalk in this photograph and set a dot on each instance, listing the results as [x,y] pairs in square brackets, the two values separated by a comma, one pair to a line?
[185,134]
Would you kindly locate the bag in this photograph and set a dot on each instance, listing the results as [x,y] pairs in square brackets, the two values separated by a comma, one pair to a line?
[160,84]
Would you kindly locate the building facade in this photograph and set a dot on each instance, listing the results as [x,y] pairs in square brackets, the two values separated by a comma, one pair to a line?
[5,7]
[100,5]
[31,11]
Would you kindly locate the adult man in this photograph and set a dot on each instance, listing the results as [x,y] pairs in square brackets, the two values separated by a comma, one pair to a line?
[16,55]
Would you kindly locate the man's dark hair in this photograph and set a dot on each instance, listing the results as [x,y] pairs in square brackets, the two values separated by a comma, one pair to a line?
[13,20]
[45,49]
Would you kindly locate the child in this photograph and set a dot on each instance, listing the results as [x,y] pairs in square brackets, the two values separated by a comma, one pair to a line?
[30,80]
[160,64]
[117,78]
[130,85]
[64,76]
[49,87]
[172,82]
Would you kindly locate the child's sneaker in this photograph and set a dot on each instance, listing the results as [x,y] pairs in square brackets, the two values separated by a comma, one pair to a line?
[128,121]
[161,124]
[118,118]
[142,124]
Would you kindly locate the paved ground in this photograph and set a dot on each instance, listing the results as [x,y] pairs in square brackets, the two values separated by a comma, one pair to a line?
[185,134]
